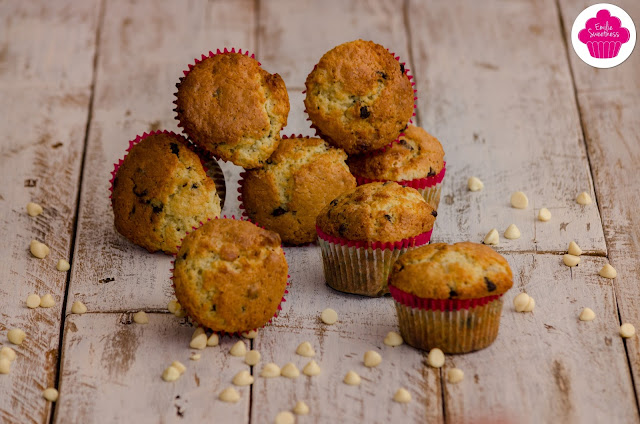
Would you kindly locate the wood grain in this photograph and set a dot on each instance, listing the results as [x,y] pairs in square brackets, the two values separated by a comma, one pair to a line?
[46,68]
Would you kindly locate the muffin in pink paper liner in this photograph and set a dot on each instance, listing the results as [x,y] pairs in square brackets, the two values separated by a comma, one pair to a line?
[450,296]
[362,232]
[160,190]
[604,35]
[227,104]
[416,161]
[359,97]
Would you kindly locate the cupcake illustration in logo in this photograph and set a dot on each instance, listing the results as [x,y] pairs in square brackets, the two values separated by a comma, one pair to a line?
[604,35]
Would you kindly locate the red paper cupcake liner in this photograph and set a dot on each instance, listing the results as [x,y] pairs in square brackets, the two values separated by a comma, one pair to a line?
[419,240]
[417,183]
[413,301]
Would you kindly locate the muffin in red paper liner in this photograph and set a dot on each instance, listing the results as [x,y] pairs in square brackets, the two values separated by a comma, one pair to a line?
[359,97]
[227,104]
[160,190]
[230,275]
[450,296]
[416,161]
[362,232]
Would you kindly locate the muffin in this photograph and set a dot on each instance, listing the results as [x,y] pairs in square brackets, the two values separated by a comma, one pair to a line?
[359,97]
[161,191]
[230,275]
[229,105]
[362,232]
[417,161]
[450,296]
[301,177]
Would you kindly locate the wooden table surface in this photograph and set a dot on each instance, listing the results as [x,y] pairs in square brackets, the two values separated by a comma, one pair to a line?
[498,83]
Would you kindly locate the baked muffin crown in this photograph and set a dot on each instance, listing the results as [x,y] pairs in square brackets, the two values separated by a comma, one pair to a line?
[452,271]
[359,97]
[381,211]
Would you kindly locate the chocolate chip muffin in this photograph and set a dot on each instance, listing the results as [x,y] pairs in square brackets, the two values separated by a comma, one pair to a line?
[450,296]
[362,232]
[232,107]
[230,275]
[161,191]
[359,97]
[301,177]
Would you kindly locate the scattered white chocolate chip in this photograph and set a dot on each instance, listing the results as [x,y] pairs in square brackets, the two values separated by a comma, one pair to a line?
[16,336]
[530,305]
[393,339]
[252,357]
[289,370]
[311,369]
[512,232]
[305,349]
[198,331]
[627,330]
[301,408]
[5,366]
[329,316]
[574,249]
[492,238]
[270,370]
[47,301]
[608,271]
[213,340]
[435,358]
[179,366]
[230,395]
[352,378]
[583,198]
[475,184]
[455,375]
[372,359]
[176,308]
[238,349]
[285,417]
[39,250]
[33,301]
[243,378]
[519,200]
[200,342]
[34,209]
[544,215]
[171,373]
[570,260]
[63,265]
[250,334]
[50,394]
[141,317]
[7,353]
[195,357]
[402,396]
[587,314]
[521,301]
[78,308]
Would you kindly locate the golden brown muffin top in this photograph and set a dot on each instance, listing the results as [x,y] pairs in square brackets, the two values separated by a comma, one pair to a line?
[230,275]
[417,155]
[359,96]
[231,106]
[452,271]
[377,212]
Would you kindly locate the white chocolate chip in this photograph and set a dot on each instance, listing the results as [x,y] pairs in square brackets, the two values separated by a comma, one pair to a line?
[33,301]
[176,308]
[285,417]
[243,378]
[16,336]
[63,265]
[47,301]
[311,369]
[608,271]
[372,359]
[50,394]
[627,330]
[141,317]
[78,308]
[171,373]
[521,301]
[289,370]
[198,331]
[249,334]
[544,215]
[329,316]
[512,232]
[39,250]
[519,200]
[435,358]
[455,375]
[238,349]
[200,342]
[270,370]
[230,395]
[5,366]
[7,353]
[492,238]
[301,408]
[587,315]
[305,349]
[179,366]
[34,209]
[583,198]
[570,260]
[574,249]
[530,305]
[252,357]
[214,340]
[352,378]
[402,396]
[195,357]
[393,339]
[475,184]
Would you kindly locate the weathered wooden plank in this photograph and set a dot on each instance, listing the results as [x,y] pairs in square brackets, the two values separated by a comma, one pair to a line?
[46,68]
[494,86]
